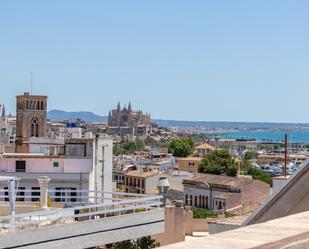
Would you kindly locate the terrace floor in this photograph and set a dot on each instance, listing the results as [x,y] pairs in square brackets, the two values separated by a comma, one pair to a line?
[290,232]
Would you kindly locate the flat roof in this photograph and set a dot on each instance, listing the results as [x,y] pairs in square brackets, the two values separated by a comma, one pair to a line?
[190,159]
[219,180]
[138,173]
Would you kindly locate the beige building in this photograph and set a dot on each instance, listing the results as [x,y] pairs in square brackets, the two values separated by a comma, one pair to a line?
[190,164]
[204,149]
[141,182]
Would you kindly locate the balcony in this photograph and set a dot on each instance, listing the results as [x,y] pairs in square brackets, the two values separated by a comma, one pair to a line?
[79,219]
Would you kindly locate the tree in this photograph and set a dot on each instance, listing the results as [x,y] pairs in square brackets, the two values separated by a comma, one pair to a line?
[249,154]
[129,147]
[142,243]
[117,150]
[218,162]
[181,147]
[146,243]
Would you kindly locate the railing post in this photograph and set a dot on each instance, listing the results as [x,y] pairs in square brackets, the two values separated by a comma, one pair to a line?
[43,182]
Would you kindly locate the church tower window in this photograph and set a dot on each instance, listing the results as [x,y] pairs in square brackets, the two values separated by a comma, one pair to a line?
[34,127]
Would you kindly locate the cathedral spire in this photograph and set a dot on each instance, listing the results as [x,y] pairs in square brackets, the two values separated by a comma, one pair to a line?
[118,107]
[130,107]
[2,111]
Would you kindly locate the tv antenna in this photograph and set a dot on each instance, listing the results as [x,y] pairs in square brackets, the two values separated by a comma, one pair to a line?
[31,83]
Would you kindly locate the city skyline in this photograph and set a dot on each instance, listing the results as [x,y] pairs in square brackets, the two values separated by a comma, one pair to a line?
[236,61]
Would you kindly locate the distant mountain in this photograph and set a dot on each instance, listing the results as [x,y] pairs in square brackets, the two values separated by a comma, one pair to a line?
[56,115]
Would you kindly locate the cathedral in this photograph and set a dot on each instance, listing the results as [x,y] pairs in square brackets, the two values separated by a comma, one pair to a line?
[126,117]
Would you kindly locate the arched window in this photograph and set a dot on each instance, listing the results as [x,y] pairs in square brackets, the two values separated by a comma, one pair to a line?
[34,127]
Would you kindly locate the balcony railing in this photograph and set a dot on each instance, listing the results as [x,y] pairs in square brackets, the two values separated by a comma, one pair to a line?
[90,205]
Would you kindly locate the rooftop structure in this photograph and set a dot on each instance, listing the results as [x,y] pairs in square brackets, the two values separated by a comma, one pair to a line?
[31,115]
[190,164]
[235,194]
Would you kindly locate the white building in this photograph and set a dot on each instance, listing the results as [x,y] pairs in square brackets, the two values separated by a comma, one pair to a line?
[82,164]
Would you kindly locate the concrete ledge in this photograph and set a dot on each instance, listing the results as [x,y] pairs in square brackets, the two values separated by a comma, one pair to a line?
[88,233]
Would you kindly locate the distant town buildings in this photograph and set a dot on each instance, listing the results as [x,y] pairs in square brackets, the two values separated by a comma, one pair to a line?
[126,121]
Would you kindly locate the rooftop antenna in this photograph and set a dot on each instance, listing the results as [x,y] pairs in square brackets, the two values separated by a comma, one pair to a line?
[31,83]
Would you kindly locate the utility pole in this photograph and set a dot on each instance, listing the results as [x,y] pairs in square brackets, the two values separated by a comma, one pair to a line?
[285,155]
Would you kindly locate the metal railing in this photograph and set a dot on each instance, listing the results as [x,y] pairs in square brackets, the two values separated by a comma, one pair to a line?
[108,204]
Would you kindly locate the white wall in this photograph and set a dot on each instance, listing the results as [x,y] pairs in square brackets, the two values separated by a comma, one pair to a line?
[47,164]
[101,175]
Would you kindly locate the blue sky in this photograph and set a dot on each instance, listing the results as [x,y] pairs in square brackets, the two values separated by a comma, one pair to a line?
[185,60]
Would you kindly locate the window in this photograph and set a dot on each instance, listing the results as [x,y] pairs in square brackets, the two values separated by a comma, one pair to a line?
[186,199]
[34,127]
[6,193]
[21,194]
[64,195]
[20,166]
[195,201]
[56,164]
[35,192]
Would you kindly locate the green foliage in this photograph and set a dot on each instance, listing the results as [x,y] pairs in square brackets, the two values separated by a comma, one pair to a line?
[259,174]
[218,162]
[142,243]
[202,213]
[244,166]
[249,154]
[127,244]
[128,147]
[247,169]
[181,147]
[117,150]
[229,214]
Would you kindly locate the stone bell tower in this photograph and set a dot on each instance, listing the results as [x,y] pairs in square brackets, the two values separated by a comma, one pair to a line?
[31,114]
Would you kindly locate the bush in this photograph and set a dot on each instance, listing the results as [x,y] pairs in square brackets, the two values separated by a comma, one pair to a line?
[142,243]
[202,213]
[259,174]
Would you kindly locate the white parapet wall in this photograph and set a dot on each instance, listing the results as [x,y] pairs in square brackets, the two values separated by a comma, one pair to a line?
[88,233]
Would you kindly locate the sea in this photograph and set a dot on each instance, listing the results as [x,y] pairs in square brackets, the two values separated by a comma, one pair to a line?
[265,136]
